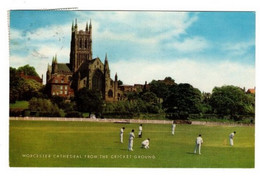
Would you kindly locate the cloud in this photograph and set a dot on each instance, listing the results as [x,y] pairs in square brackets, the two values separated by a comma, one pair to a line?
[39,65]
[141,27]
[192,44]
[204,76]
[238,48]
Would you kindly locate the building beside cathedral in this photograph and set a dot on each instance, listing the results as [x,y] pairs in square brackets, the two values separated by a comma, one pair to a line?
[63,79]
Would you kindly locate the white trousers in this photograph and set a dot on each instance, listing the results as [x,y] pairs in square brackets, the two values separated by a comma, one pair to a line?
[130,145]
[231,141]
[121,138]
[145,146]
[197,147]
[173,131]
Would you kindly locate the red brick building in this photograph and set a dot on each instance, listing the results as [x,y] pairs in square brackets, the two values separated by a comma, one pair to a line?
[36,78]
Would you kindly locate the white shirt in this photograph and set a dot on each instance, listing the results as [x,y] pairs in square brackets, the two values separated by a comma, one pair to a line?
[131,136]
[145,142]
[121,131]
[199,140]
[232,135]
[173,126]
[140,128]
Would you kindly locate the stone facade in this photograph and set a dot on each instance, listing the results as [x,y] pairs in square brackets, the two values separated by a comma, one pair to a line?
[83,70]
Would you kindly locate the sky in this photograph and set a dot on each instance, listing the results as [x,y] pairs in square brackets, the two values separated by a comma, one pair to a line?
[205,49]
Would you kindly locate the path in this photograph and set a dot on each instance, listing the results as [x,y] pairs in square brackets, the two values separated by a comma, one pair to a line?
[126,121]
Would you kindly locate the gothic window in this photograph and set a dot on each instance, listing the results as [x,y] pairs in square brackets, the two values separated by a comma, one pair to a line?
[97,81]
[86,44]
[80,43]
[110,93]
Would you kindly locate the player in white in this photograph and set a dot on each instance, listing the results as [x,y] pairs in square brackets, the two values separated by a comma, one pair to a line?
[198,143]
[173,127]
[145,143]
[231,137]
[140,131]
[131,140]
[122,134]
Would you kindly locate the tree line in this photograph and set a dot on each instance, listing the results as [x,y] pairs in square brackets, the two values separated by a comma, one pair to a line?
[176,101]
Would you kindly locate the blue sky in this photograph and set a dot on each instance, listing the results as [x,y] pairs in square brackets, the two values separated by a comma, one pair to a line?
[205,49]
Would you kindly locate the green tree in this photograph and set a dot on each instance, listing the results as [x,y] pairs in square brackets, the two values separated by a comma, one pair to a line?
[120,82]
[231,100]
[131,96]
[15,84]
[23,89]
[161,88]
[30,88]
[27,70]
[66,105]
[149,97]
[89,101]
[183,100]
[44,107]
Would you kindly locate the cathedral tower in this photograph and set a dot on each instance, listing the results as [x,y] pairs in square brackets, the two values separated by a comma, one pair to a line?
[80,46]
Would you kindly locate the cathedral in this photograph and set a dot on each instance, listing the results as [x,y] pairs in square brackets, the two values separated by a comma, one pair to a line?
[63,79]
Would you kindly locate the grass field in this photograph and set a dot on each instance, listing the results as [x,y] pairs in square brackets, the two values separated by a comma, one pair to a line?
[20,105]
[93,144]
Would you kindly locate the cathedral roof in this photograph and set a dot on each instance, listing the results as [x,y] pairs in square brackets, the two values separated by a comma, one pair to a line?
[63,67]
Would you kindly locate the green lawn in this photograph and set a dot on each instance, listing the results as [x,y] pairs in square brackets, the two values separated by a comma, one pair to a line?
[85,144]
[19,105]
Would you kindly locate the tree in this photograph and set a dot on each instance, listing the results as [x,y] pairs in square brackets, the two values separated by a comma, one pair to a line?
[44,107]
[161,87]
[231,100]
[183,100]
[89,101]
[66,105]
[120,82]
[23,89]
[29,88]
[15,84]
[27,70]
[149,97]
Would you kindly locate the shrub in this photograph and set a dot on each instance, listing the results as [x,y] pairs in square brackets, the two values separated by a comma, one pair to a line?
[74,114]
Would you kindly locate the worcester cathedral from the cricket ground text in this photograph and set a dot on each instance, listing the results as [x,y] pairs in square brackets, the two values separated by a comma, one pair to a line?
[63,79]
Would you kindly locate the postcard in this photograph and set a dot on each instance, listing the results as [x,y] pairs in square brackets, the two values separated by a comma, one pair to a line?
[132,89]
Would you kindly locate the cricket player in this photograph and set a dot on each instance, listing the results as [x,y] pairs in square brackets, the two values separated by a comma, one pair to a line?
[173,127]
[231,137]
[122,134]
[145,143]
[131,140]
[198,143]
[140,131]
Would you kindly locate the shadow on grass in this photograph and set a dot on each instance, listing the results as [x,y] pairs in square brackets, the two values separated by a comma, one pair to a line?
[125,149]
